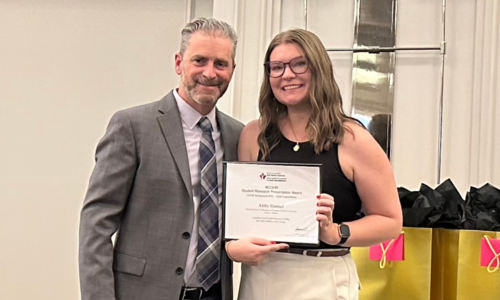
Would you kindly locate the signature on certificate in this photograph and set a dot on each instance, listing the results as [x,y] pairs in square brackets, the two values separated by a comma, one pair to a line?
[301,229]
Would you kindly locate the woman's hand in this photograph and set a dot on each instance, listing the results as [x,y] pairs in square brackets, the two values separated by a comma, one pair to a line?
[251,251]
[324,214]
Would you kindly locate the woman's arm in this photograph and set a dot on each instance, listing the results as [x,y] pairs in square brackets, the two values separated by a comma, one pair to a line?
[365,163]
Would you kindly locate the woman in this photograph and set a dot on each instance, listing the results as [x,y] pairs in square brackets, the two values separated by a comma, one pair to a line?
[302,121]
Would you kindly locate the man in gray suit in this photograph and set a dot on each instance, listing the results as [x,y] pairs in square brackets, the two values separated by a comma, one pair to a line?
[152,184]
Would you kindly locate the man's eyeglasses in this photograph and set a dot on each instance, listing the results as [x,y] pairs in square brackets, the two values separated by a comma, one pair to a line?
[276,69]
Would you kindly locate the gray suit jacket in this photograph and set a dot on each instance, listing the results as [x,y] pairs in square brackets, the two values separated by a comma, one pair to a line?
[141,187]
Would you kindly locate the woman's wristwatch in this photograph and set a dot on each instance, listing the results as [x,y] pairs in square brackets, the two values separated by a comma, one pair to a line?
[344,233]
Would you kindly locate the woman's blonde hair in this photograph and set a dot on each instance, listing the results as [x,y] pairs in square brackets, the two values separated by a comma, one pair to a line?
[325,125]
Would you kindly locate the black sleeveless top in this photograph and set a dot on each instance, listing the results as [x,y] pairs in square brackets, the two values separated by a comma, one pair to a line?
[334,182]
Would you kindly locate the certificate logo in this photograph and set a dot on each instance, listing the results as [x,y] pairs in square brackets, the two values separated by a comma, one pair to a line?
[274,177]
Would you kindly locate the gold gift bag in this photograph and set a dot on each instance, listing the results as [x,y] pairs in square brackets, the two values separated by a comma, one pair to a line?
[409,279]
[458,274]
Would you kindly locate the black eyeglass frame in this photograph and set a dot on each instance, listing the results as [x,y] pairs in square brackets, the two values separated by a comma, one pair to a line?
[268,68]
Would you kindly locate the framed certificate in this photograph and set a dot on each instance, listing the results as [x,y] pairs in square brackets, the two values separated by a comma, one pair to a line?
[275,201]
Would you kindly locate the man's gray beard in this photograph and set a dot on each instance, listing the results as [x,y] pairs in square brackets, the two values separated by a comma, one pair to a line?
[203,98]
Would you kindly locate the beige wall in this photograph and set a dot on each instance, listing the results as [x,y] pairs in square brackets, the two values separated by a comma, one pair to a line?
[67,65]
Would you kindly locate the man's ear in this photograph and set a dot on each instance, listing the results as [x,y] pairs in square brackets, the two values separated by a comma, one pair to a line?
[178,60]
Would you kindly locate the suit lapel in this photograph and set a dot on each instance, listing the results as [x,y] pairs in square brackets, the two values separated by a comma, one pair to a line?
[171,126]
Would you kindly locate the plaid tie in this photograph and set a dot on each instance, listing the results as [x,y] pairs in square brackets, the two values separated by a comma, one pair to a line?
[207,261]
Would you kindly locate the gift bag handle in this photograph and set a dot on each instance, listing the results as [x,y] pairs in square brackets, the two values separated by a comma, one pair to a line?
[495,257]
[383,260]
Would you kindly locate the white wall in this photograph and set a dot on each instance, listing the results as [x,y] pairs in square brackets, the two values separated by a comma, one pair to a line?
[67,65]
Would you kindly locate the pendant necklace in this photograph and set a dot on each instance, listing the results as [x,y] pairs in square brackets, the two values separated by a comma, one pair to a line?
[297,146]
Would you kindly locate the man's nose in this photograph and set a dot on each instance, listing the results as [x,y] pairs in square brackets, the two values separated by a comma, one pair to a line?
[209,71]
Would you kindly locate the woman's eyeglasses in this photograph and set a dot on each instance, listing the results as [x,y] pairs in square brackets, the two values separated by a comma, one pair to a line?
[276,69]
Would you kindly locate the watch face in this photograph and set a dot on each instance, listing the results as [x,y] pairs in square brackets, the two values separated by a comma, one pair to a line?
[344,230]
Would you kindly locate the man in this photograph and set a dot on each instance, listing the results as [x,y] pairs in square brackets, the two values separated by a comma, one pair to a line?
[158,179]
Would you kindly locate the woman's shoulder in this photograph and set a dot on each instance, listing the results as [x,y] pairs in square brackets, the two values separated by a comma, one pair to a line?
[248,145]
[358,142]
[359,150]
[251,130]
[354,132]
[253,125]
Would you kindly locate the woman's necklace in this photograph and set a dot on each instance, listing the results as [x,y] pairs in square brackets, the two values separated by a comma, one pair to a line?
[297,146]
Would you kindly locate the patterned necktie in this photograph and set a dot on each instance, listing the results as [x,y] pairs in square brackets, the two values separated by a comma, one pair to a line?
[207,261]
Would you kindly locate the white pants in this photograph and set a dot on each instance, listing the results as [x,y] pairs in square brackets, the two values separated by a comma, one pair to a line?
[297,277]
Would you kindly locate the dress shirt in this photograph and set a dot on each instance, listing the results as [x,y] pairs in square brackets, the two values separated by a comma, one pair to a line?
[192,135]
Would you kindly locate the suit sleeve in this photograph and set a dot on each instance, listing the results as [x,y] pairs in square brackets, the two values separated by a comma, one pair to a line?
[107,195]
